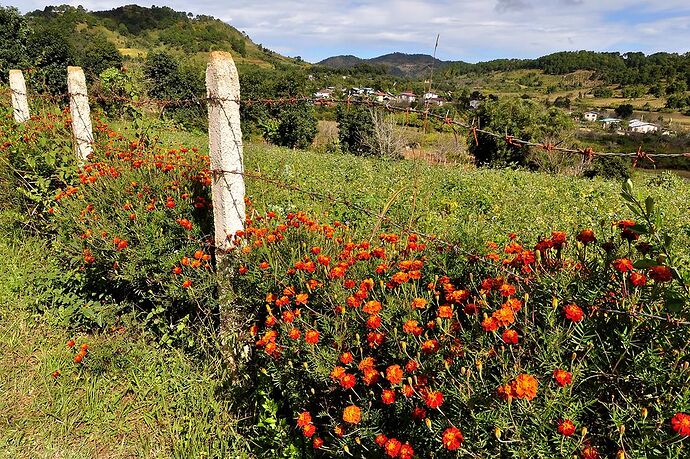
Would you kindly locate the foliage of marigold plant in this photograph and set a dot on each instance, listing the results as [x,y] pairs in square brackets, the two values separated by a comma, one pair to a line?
[396,346]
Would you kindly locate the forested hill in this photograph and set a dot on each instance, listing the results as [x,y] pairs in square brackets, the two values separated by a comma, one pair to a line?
[135,31]
[611,68]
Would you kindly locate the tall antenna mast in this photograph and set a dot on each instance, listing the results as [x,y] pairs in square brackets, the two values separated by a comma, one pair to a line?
[431,77]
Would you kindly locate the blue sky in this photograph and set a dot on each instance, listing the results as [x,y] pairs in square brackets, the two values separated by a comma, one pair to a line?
[470,30]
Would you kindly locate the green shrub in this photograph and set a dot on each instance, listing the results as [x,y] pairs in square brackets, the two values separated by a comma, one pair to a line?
[610,167]
[355,126]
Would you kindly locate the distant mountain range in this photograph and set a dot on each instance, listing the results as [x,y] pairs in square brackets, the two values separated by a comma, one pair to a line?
[399,64]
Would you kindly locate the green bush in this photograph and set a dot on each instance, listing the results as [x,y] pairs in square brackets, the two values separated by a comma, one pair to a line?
[610,167]
[355,126]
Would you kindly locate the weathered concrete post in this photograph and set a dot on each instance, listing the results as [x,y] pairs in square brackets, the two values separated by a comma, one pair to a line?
[227,188]
[20,102]
[80,112]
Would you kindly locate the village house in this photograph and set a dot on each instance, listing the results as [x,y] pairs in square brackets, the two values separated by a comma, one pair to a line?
[407,97]
[324,94]
[607,123]
[590,116]
[642,127]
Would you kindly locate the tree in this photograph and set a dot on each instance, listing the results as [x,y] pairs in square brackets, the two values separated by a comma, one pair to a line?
[50,53]
[521,118]
[13,36]
[624,110]
[99,54]
[355,127]
[296,126]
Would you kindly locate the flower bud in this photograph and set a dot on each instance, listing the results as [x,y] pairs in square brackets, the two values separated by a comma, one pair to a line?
[644,413]
[584,431]
[620,454]
[574,356]
[621,429]
[403,344]
[427,421]
[554,303]
[479,365]
[497,432]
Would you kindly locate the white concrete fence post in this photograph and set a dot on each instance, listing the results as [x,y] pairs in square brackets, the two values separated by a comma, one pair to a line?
[225,145]
[80,112]
[227,191]
[20,102]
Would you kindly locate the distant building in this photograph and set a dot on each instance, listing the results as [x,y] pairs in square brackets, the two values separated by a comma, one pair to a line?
[430,95]
[642,127]
[380,96]
[590,116]
[407,97]
[323,94]
[436,101]
[609,122]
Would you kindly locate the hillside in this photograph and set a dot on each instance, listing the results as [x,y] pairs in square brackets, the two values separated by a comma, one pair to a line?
[397,64]
[137,30]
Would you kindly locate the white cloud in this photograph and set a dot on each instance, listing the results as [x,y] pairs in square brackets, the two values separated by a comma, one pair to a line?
[470,30]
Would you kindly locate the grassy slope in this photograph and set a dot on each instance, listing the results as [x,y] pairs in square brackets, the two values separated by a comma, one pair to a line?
[129,400]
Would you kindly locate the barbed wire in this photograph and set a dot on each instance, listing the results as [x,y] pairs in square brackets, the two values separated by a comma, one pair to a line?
[587,153]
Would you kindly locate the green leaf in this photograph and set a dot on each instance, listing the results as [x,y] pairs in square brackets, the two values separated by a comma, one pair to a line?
[674,302]
[649,205]
[644,263]
[640,228]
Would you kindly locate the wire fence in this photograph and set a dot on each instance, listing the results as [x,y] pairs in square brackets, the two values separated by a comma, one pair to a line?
[457,125]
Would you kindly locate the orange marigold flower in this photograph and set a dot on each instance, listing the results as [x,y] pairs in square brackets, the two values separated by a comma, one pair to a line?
[302,298]
[589,452]
[370,377]
[573,312]
[660,273]
[388,396]
[430,346]
[348,381]
[337,372]
[381,440]
[445,311]
[339,430]
[638,279]
[680,422]
[373,321]
[566,428]
[346,358]
[400,277]
[317,443]
[452,438]
[304,419]
[394,374]
[406,452]
[412,327]
[562,377]
[411,366]
[392,447]
[407,390]
[433,399]
[623,265]
[505,392]
[366,363]
[419,303]
[371,307]
[507,290]
[514,304]
[510,336]
[504,316]
[294,333]
[187,283]
[309,430]
[70,343]
[490,324]
[586,236]
[525,386]
[352,414]
[311,337]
